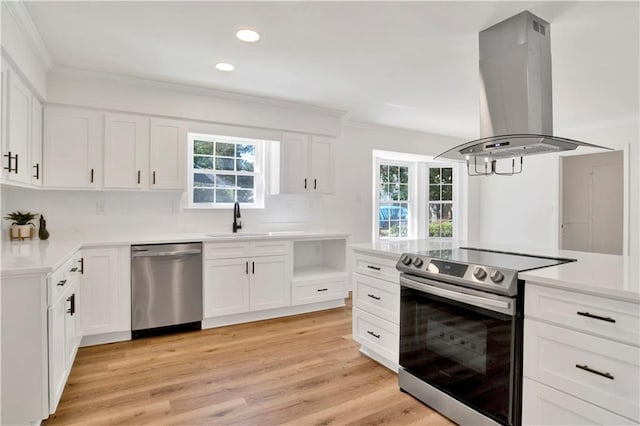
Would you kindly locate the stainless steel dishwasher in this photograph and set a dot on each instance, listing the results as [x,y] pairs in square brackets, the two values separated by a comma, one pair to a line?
[166,288]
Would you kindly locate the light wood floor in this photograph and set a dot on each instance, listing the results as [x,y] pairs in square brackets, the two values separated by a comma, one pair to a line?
[298,370]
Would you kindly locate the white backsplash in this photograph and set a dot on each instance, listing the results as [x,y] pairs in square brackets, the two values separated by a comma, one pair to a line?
[76,214]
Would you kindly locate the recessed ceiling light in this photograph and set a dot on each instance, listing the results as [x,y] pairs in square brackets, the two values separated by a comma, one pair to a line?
[222,66]
[249,36]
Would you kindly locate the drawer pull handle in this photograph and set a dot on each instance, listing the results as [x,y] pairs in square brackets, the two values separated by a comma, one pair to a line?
[323,289]
[377,336]
[74,270]
[373,296]
[61,283]
[590,370]
[376,268]
[587,314]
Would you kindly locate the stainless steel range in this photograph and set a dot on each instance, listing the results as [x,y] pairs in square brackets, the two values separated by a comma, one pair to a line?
[461,317]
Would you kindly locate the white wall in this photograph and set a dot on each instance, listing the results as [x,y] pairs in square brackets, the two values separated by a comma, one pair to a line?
[349,209]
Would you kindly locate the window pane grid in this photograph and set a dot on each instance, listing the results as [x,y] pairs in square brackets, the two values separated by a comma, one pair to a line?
[440,204]
[223,172]
[393,201]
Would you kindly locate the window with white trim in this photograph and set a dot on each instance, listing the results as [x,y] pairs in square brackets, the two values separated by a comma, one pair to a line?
[394,200]
[225,169]
[441,202]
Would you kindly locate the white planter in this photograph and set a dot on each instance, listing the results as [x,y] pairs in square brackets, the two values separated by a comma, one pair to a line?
[21,231]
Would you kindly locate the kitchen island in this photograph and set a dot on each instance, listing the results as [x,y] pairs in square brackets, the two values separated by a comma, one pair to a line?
[581,328]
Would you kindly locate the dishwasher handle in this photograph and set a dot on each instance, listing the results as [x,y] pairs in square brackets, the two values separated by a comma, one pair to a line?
[144,253]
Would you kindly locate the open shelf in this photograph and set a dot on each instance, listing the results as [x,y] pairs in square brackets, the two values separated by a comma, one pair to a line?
[319,259]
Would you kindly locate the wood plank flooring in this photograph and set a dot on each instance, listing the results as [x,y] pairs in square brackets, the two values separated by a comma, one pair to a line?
[301,370]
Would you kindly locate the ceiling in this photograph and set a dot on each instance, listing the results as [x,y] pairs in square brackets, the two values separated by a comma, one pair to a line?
[405,64]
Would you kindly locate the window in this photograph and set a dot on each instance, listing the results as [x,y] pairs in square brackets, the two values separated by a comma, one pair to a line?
[440,209]
[224,170]
[393,200]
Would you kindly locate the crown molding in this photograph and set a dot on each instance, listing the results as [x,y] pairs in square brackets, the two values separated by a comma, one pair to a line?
[22,18]
[200,90]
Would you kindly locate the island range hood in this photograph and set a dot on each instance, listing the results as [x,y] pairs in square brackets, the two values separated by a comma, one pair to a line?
[516,117]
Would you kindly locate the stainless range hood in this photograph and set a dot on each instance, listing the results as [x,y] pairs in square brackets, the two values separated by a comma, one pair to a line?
[515,101]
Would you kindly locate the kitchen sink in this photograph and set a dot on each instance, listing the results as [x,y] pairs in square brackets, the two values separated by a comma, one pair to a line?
[238,234]
[252,234]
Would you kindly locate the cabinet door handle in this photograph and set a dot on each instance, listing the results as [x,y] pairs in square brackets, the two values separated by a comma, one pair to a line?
[81,265]
[375,268]
[62,282]
[72,300]
[305,183]
[138,177]
[373,296]
[377,336]
[322,289]
[16,170]
[9,157]
[154,177]
[253,267]
[37,167]
[91,175]
[598,317]
[73,269]
[246,268]
[315,184]
[590,370]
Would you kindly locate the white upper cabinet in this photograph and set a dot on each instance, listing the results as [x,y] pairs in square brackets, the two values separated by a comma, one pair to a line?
[167,154]
[294,168]
[17,143]
[36,142]
[306,164]
[321,164]
[72,148]
[126,151]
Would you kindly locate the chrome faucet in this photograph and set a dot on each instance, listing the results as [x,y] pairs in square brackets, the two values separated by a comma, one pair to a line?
[237,223]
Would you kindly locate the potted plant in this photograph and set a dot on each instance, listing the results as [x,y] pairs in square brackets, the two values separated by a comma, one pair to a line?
[21,226]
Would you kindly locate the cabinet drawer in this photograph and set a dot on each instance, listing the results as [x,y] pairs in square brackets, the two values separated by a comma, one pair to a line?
[226,250]
[612,319]
[378,267]
[377,297]
[377,334]
[317,291]
[62,278]
[597,370]
[268,247]
[542,405]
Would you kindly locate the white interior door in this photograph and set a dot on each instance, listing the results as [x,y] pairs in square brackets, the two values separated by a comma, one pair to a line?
[592,203]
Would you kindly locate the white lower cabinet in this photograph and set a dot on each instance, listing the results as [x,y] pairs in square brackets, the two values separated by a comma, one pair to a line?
[376,306]
[64,340]
[106,294]
[575,372]
[234,286]
[544,405]
[226,287]
[242,277]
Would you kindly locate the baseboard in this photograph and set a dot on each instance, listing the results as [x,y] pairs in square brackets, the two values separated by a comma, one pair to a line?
[101,339]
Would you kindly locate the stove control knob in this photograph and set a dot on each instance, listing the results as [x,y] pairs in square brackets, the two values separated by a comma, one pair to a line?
[497,276]
[406,260]
[479,273]
[418,262]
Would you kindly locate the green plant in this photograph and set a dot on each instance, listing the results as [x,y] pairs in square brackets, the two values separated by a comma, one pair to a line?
[21,218]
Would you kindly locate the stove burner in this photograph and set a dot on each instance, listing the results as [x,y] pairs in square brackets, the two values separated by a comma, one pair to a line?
[487,270]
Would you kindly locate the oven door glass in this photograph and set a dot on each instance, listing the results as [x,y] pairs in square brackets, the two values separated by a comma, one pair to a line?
[463,350]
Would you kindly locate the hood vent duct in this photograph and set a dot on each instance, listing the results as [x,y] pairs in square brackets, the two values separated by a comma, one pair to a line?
[515,101]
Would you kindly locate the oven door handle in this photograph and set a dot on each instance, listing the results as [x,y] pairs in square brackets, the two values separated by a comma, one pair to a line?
[479,301]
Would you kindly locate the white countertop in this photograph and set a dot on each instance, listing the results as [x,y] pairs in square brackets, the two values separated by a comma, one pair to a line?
[616,277]
[37,257]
